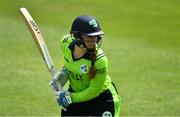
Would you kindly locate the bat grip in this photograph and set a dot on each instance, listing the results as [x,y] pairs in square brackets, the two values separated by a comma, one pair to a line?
[53,72]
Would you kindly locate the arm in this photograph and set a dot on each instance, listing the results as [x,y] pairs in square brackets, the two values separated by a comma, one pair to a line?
[63,97]
[62,76]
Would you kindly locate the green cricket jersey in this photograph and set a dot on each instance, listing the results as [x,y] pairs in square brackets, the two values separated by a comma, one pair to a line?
[78,72]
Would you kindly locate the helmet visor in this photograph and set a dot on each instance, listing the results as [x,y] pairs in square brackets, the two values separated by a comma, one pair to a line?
[95,33]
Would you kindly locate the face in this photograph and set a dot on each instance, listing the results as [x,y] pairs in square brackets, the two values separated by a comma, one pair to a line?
[90,41]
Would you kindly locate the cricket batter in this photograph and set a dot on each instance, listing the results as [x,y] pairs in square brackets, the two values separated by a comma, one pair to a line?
[91,91]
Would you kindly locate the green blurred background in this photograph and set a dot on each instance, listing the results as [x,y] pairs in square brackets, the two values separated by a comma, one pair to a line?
[141,41]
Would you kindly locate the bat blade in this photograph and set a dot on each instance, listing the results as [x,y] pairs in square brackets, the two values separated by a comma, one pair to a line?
[38,38]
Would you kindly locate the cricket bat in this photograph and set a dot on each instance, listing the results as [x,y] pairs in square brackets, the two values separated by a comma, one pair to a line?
[38,38]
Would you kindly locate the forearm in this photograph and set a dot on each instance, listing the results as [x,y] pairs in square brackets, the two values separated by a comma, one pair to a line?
[62,76]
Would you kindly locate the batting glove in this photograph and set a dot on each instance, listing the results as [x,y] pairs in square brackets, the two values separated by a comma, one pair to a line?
[64,98]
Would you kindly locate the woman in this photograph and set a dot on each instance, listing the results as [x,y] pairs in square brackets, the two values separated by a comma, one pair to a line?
[91,91]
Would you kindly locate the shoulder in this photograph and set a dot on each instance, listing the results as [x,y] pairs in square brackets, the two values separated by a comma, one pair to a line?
[65,42]
[101,59]
[66,39]
[101,63]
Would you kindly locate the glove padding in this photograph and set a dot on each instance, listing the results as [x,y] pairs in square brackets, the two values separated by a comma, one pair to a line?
[64,98]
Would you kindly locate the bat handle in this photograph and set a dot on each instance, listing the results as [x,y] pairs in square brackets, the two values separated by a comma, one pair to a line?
[53,72]
[64,108]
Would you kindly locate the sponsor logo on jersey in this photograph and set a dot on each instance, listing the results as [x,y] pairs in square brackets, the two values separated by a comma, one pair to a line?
[83,69]
[74,75]
[101,71]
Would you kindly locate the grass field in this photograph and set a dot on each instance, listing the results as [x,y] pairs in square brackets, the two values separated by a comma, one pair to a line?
[141,40]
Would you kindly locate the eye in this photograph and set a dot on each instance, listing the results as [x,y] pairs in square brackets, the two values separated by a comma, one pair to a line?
[91,36]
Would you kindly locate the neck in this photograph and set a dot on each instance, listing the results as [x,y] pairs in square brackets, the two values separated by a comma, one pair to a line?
[78,52]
